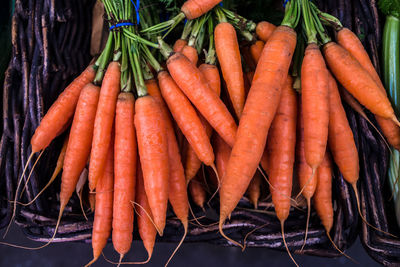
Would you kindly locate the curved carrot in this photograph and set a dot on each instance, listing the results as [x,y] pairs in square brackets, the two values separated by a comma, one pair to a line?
[256,50]
[153,151]
[254,190]
[125,159]
[179,45]
[191,53]
[264,30]
[211,73]
[227,48]
[186,117]
[259,111]
[194,85]
[315,105]
[103,122]
[195,8]
[61,111]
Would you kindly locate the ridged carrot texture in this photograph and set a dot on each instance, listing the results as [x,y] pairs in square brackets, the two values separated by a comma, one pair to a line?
[194,85]
[315,105]
[179,45]
[177,193]
[264,30]
[110,89]
[353,45]
[349,72]
[193,163]
[259,111]
[153,150]
[125,159]
[146,228]
[103,215]
[186,118]
[61,111]
[195,8]
[227,48]
[256,50]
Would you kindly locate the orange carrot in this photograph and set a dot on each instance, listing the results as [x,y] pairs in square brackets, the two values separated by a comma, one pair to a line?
[194,85]
[125,159]
[227,48]
[253,191]
[153,151]
[195,8]
[61,111]
[211,73]
[191,53]
[315,105]
[259,111]
[196,189]
[179,45]
[256,50]
[222,154]
[264,30]
[103,122]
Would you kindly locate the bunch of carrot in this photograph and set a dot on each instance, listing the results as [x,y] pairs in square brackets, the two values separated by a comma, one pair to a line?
[145,138]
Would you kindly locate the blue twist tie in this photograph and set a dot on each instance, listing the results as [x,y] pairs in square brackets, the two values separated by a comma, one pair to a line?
[122,24]
[221,4]
[284,3]
[136,10]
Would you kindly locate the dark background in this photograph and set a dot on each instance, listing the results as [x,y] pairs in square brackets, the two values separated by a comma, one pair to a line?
[190,254]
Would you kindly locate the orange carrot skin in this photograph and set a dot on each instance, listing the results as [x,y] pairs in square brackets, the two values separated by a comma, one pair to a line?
[323,193]
[194,85]
[191,53]
[186,117]
[61,111]
[315,105]
[341,139]
[103,206]
[125,159]
[179,45]
[197,191]
[195,8]
[351,43]
[256,50]
[153,150]
[227,48]
[357,80]
[147,231]
[281,145]
[222,154]
[254,190]
[264,30]
[177,185]
[103,122]
[259,111]
[211,73]
[80,140]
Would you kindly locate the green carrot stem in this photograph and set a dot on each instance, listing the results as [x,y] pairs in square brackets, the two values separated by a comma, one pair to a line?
[103,60]
[292,14]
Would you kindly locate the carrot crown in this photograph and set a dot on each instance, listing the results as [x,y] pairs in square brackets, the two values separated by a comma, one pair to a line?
[292,14]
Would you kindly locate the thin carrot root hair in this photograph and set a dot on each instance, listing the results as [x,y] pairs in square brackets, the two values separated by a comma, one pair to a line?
[204,178]
[221,230]
[219,183]
[307,222]
[30,174]
[354,185]
[314,170]
[196,218]
[147,214]
[284,242]
[121,256]
[251,232]
[16,194]
[185,226]
[126,262]
[340,251]
[271,186]
[92,261]
[81,204]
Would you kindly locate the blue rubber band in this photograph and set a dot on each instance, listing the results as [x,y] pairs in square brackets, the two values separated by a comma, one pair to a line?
[284,3]
[221,4]
[137,5]
[122,24]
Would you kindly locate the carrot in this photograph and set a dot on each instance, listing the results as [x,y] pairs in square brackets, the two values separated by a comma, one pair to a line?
[186,117]
[61,111]
[351,43]
[259,111]
[227,48]
[264,30]
[191,53]
[253,191]
[179,45]
[194,85]
[256,50]
[195,8]
[153,151]
[177,193]
[104,207]
[146,228]
[103,122]
[125,159]
[222,154]
[211,73]
[315,105]
[357,81]
[197,191]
